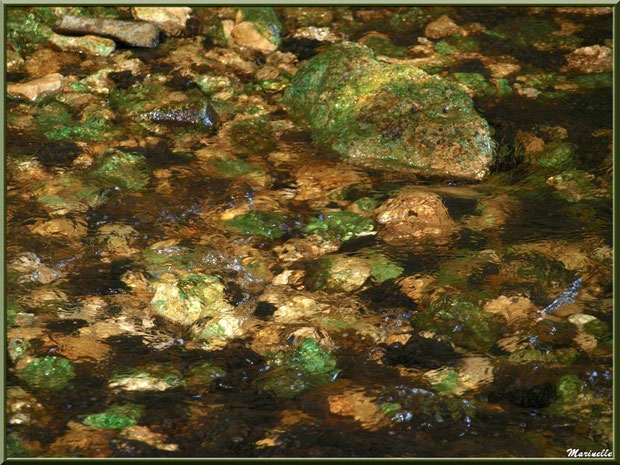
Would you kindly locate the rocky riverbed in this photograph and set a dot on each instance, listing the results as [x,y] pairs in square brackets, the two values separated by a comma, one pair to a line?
[309,231]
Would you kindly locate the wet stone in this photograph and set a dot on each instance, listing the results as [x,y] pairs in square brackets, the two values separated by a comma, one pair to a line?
[32,90]
[421,351]
[89,45]
[413,121]
[129,32]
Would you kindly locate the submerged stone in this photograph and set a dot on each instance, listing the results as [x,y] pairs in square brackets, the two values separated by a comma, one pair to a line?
[257,223]
[88,45]
[257,28]
[309,366]
[32,90]
[414,215]
[343,225]
[421,351]
[115,417]
[251,136]
[389,116]
[337,273]
[147,378]
[171,20]
[48,373]
[203,375]
[187,299]
[460,321]
[121,169]
[132,33]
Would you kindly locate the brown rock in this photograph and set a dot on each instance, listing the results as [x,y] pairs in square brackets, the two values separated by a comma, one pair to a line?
[442,27]
[171,20]
[32,90]
[129,32]
[414,215]
[594,59]
[89,45]
[247,35]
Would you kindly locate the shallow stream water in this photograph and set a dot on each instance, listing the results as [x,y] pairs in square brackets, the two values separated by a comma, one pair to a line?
[489,338]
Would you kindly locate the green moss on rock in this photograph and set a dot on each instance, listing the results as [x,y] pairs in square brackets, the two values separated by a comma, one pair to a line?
[461,321]
[251,136]
[233,168]
[389,116]
[260,224]
[308,367]
[115,417]
[121,169]
[48,373]
[343,225]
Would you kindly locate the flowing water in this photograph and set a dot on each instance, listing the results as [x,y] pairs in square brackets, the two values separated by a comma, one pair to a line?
[314,338]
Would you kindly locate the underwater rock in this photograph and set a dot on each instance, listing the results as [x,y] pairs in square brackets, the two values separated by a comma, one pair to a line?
[88,45]
[32,90]
[421,351]
[171,20]
[257,28]
[442,27]
[414,215]
[132,33]
[147,378]
[337,273]
[389,116]
[48,373]
[460,321]
[187,299]
[308,367]
[115,417]
[593,59]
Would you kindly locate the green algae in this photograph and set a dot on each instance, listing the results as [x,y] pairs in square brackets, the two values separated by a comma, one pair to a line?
[266,19]
[121,169]
[233,168]
[555,156]
[446,381]
[115,417]
[388,116]
[308,367]
[562,357]
[383,269]
[11,312]
[48,373]
[526,31]
[27,28]
[260,224]
[461,321]
[343,225]
[204,374]
[251,136]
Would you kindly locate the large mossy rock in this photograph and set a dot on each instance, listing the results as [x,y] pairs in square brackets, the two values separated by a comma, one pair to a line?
[389,116]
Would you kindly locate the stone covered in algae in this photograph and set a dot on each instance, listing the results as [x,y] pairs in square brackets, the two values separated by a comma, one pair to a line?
[461,321]
[115,417]
[121,169]
[48,373]
[251,136]
[309,366]
[152,377]
[343,225]
[187,299]
[389,116]
[257,223]
[337,273]
[257,28]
